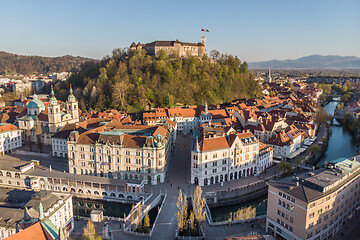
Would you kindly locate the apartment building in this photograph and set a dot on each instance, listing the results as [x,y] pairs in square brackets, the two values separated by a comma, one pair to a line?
[10,138]
[221,154]
[265,157]
[114,150]
[314,205]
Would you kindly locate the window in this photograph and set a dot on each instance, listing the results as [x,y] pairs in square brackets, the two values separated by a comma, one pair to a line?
[311,215]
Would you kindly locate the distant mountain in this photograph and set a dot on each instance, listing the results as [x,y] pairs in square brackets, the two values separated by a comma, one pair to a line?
[20,64]
[313,62]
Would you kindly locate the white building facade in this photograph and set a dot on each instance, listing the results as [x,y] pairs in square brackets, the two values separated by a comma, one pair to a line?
[132,152]
[10,138]
[216,157]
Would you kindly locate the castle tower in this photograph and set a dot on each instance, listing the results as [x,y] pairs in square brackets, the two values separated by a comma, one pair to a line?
[203,40]
[54,113]
[72,106]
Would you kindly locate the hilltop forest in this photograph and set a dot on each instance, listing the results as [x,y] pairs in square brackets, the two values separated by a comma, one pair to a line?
[18,64]
[136,81]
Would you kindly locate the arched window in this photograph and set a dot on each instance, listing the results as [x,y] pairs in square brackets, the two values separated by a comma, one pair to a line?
[149,162]
[8,174]
[74,170]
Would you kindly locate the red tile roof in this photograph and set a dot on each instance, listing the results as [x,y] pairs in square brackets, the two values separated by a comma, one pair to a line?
[7,127]
[210,144]
[33,232]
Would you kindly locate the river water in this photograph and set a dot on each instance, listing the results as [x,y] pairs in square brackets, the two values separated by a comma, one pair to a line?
[83,207]
[341,143]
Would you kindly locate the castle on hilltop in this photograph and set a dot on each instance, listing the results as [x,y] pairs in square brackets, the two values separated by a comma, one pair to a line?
[173,48]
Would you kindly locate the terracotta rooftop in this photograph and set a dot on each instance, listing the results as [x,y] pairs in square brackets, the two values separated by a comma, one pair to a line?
[7,127]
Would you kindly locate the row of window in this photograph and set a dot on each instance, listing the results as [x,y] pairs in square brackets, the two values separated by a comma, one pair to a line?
[117,152]
[285,225]
[285,215]
[286,205]
[287,197]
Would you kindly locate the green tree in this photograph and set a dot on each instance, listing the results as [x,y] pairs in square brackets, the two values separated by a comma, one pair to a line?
[133,217]
[139,215]
[162,55]
[321,116]
[315,148]
[192,222]
[147,221]
[199,205]
[180,214]
[286,167]
[138,81]
[90,232]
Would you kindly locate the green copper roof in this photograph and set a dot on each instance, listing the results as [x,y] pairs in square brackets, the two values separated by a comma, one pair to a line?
[52,98]
[71,95]
[49,227]
[36,104]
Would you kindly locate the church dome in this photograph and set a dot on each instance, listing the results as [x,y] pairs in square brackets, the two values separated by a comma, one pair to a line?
[36,104]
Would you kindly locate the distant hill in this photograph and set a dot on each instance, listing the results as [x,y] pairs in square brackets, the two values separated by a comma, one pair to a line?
[10,62]
[313,62]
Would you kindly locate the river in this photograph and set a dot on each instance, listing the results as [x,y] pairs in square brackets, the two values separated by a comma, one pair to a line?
[341,143]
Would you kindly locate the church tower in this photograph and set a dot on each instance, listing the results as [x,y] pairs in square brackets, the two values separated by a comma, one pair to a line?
[72,106]
[54,112]
[269,80]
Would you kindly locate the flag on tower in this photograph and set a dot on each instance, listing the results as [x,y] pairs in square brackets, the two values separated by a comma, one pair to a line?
[203,30]
[207,30]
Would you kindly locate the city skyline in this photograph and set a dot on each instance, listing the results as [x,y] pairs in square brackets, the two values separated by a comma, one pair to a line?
[253,31]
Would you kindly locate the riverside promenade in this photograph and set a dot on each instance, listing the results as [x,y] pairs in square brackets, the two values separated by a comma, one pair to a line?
[178,177]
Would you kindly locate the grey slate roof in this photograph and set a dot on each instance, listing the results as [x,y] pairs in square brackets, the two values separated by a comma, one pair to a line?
[311,187]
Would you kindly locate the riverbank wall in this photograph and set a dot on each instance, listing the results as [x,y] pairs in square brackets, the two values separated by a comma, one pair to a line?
[236,196]
[315,158]
[239,199]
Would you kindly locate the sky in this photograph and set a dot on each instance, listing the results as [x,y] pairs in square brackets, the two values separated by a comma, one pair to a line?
[253,30]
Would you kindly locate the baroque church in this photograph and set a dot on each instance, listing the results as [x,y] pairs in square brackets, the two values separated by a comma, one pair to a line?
[48,118]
